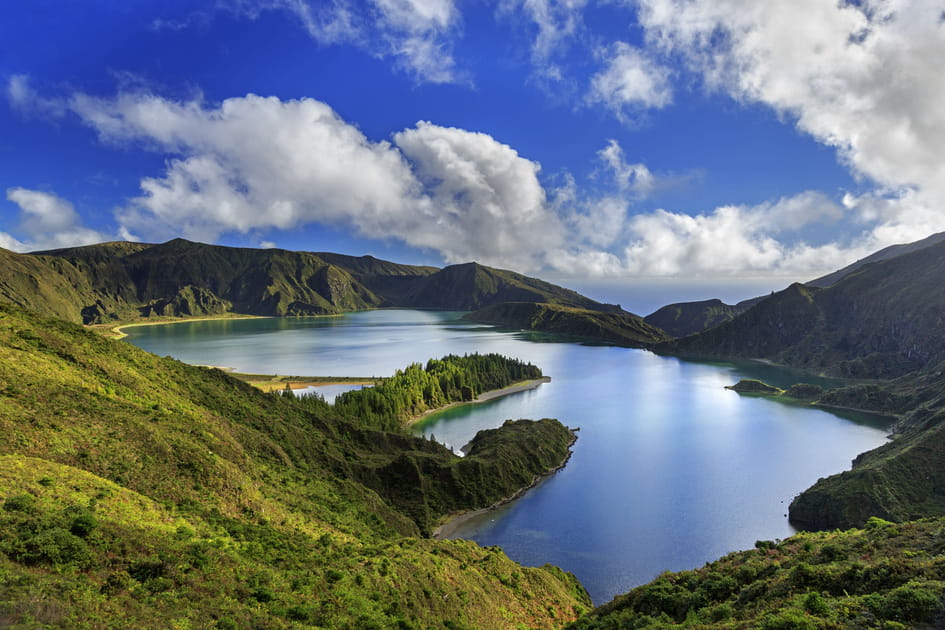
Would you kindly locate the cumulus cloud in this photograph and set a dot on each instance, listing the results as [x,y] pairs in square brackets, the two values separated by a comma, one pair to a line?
[47,222]
[417,34]
[489,201]
[737,239]
[251,163]
[254,163]
[631,82]
[856,76]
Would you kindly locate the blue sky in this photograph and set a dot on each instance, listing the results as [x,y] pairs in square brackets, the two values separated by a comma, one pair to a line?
[676,149]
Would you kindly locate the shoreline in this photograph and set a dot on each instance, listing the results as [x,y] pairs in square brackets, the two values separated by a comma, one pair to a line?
[116,331]
[492,394]
[276,382]
[453,522]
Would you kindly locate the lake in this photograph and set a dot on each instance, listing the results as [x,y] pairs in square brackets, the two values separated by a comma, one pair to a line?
[670,470]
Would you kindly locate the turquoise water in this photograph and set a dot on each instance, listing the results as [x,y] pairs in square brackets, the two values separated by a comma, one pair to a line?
[671,470]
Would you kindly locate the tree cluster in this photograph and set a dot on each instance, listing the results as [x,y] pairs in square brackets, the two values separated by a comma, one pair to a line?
[416,389]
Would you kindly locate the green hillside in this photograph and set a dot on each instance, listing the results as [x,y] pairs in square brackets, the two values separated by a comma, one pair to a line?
[884,576]
[619,328]
[883,320]
[137,491]
[689,318]
[472,286]
[127,281]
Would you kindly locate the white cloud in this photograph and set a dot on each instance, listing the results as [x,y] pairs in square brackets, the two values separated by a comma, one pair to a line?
[417,34]
[251,163]
[556,23]
[736,240]
[490,204]
[631,178]
[254,164]
[861,77]
[48,222]
[24,99]
[631,82]
[257,163]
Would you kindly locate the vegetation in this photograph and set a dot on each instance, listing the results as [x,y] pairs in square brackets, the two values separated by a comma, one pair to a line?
[416,389]
[137,491]
[753,386]
[884,576]
[127,281]
[882,320]
[689,318]
[620,328]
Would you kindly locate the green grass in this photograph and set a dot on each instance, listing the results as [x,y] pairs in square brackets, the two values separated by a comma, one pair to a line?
[137,491]
[883,576]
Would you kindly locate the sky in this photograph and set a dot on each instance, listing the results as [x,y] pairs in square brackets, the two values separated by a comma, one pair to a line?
[640,151]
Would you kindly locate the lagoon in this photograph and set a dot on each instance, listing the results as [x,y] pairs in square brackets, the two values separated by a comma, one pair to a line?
[671,470]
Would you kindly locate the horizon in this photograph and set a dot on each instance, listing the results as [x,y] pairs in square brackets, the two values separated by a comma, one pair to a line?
[619,146]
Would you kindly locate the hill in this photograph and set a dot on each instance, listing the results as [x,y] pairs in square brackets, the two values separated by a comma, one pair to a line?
[688,318]
[128,281]
[619,328]
[881,321]
[138,491]
[887,253]
[882,576]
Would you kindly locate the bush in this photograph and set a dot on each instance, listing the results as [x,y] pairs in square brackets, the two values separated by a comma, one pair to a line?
[789,620]
[20,503]
[56,546]
[83,525]
[815,604]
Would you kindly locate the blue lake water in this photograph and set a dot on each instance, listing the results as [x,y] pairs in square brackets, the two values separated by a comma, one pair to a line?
[670,470]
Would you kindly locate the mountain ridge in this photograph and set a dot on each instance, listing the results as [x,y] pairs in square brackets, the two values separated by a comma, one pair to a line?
[120,281]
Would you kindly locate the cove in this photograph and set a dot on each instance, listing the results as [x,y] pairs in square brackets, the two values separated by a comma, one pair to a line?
[671,470]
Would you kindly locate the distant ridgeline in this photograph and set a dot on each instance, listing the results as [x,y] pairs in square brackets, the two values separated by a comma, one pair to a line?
[416,389]
[138,491]
[126,281]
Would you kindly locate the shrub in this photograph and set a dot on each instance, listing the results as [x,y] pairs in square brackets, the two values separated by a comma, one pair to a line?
[815,604]
[56,546]
[83,525]
[20,503]
[911,602]
[788,620]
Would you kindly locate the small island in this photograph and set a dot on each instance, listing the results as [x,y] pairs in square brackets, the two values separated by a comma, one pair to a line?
[753,386]
[803,392]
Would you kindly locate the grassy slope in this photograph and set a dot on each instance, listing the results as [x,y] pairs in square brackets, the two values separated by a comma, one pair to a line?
[620,328]
[214,505]
[472,286]
[882,321]
[885,576]
[101,283]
